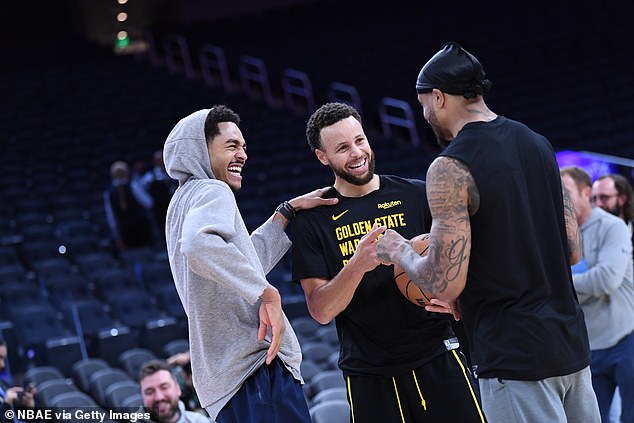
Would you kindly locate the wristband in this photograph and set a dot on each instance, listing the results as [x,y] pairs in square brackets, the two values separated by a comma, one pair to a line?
[286,210]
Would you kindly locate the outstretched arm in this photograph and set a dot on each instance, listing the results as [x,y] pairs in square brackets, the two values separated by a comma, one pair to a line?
[270,240]
[452,195]
[307,201]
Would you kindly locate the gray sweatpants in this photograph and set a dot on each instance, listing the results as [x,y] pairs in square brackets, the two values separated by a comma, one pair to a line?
[561,399]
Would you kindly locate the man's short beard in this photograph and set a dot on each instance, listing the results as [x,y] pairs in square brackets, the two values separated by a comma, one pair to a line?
[441,141]
[433,122]
[154,414]
[616,211]
[356,180]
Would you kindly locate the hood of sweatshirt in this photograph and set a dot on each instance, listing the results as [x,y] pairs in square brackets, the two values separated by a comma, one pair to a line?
[185,153]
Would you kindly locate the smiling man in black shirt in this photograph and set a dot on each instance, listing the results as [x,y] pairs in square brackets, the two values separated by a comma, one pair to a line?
[400,361]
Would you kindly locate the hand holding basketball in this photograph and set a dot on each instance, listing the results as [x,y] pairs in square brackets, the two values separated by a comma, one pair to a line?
[439,306]
[408,288]
[388,245]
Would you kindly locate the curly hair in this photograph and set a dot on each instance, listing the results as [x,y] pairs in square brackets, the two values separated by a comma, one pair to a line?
[219,113]
[326,115]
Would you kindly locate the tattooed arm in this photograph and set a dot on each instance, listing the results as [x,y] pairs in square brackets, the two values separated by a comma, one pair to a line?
[572,228]
[452,197]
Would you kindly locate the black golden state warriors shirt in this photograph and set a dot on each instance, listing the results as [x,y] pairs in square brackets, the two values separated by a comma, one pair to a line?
[380,331]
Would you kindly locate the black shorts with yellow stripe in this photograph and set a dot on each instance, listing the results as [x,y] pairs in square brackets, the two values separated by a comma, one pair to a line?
[442,390]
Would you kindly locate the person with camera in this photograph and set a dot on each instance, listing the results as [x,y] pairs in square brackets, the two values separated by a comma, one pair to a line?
[12,397]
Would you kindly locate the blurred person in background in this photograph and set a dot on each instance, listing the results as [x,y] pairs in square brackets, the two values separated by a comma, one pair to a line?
[161,187]
[13,397]
[182,363]
[614,194]
[161,395]
[603,281]
[127,207]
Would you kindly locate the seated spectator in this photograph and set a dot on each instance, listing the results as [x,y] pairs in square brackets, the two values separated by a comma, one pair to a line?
[127,209]
[12,397]
[161,187]
[161,392]
[182,362]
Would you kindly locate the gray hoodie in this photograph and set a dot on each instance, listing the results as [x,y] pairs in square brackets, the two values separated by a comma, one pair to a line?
[219,270]
[606,289]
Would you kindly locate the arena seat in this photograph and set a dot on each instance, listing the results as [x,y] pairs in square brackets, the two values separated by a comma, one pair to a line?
[112,342]
[95,261]
[305,328]
[134,309]
[309,369]
[330,394]
[132,360]
[112,283]
[48,389]
[52,267]
[328,334]
[62,352]
[133,401]
[331,411]
[68,288]
[39,374]
[82,371]
[169,302]
[318,352]
[72,399]
[119,392]
[176,346]
[101,379]
[295,307]
[326,379]
[159,332]
[92,314]
[35,324]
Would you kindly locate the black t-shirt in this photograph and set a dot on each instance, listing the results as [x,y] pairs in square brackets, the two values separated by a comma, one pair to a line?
[380,331]
[519,305]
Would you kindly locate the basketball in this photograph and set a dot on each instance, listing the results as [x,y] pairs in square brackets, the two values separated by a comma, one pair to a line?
[412,292]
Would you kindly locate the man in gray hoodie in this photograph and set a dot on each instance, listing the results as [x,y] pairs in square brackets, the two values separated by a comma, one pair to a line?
[603,281]
[245,356]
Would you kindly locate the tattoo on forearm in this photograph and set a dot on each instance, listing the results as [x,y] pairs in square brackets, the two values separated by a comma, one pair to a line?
[453,198]
[456,257]
[572,227]
[430,278]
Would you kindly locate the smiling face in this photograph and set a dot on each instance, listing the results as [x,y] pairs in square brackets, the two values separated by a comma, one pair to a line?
[228,154]
[345,148]
[160,396]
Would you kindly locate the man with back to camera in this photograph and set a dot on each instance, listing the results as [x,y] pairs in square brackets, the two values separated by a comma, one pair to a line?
[502,221]
[400,362]
[606,293]
[245,356]
[161,395]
